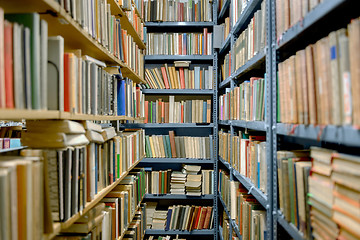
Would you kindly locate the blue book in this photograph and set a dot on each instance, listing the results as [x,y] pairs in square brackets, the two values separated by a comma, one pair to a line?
[167,140]
[184,50]
[121,103]
[197,77]
[168,218]
[204,111]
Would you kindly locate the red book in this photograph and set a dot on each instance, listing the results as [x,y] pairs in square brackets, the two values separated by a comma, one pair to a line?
[180,44]
[67,82]
[146,111]
[205,41]
[182,113]
[164,75]
[9,70]
[162,112]
[207,218]
[197,219]
[202,218]
[182,78]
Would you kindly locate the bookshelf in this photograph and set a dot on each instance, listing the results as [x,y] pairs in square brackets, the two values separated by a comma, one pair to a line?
[176,161]
[206,232]
[177,197]
[163,58]
[178,91]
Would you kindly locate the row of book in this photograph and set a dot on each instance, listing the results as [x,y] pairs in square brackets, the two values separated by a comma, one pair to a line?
[181,182]
[183,217]
[288,13]
[119,213]
[320,84]
[252,40]
[96,19]
[186,111]
[179,43]
[244,102]
[237,7]
[178,11]
[182,78]
[244,209]
[317,191]
[136,21]
[247,156]
[171,146]
[49,78]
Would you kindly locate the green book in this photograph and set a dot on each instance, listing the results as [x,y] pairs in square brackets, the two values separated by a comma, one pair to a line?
[291,190]
[165,146]
[32,21]
[167,140]
[149,153]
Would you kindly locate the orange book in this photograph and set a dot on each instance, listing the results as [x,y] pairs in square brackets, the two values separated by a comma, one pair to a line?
[180,44]
[9,74]
[172,143]
[205,41]
[182,113]
[197,218]
[164,75]
[67,82]
[207,218]
[194,217]
[166,112]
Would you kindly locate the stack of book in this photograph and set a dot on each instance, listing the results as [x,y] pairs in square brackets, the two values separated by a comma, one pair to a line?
[244,102]
[159,181]
[150,210]
[293,169]
[179,43]
[188,218]
[95,223]
[49,78]
[319,85]
[132,55]
[159,219]
[185,111]
[288,13]
[248,214]
[193,180]
[169,146]
[252,40]
[178,11]
[170,77]
[177,184]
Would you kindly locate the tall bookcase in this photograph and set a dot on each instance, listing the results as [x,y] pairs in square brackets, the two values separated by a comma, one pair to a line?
[60,22]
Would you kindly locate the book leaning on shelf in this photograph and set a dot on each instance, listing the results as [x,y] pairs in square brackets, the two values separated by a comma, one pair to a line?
[178,11]
[251,41]
[171,146]
[185,218]
[244,102]
[192,43]
[320,84]
[186,111]
[173,77]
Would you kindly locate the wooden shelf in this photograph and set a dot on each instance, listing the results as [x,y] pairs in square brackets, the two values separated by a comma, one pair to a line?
[19,114]
[99,196]
[125,23]
[61,23]
[57,228]
[137,12]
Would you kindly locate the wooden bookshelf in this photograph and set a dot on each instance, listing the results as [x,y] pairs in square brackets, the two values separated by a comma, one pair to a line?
[19,114]
[97,199]
[61,23]
[56,228]
[125,23]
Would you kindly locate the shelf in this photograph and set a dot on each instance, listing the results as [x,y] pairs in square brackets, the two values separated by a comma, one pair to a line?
[226,45]
[253,63]
[232,222]
[125,23]
[289,227]
[223,10]
[253,125]
[99,196]
[56,228]
[221,233]
[308,21]
[245,17]
[169,125]
[226,164]
[178,91]
[179,232]
[61,23]
[225,83]
[177,196]
[18,114]
[177,160]
[12,149]
[246,182]
[236,229]
[179,24]
[178,57]
[224,206]
[345,135]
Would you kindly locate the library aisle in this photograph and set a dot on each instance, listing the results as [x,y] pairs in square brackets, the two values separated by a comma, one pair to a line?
[179,119]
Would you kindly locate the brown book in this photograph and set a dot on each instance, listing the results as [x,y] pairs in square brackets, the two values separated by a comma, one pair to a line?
[310,77]
[293,90]
[172,144]
[354,46]
[202,218]
[193,219]
[304,86]
[166,112]
[299,89]
[207,218]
